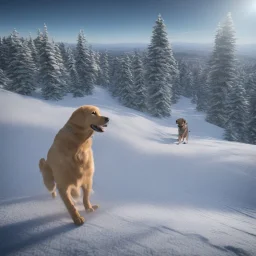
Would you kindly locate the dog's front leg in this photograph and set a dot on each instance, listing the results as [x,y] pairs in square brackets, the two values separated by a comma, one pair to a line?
[76,217]
[86,199]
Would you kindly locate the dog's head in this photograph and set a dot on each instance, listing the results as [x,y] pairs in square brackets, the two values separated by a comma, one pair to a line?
[180,122]
[89,118]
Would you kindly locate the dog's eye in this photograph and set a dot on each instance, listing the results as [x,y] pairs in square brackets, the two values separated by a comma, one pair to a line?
[94,113]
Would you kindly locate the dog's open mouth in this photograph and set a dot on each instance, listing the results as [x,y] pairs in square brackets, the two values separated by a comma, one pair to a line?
[98,128]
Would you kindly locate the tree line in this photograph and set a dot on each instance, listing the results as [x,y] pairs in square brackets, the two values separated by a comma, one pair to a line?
[150,81]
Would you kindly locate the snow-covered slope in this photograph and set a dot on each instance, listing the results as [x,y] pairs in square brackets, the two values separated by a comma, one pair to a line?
[156,197]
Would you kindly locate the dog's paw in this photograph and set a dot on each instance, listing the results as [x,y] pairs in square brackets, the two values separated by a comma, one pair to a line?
[92,209]
[54,194]
[79,220]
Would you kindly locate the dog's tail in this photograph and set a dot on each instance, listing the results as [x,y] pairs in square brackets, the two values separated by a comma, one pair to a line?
[48,178]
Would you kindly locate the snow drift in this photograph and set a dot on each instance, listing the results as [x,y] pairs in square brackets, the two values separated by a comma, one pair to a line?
[156,197]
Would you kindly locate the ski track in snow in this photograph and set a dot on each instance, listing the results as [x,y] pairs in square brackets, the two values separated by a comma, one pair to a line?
[156,197]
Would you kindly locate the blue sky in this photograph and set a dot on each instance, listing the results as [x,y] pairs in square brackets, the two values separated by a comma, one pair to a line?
[127,21]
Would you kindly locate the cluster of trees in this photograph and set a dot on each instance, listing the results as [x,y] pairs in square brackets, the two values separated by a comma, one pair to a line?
[149,81]
[27,64]
[223,87]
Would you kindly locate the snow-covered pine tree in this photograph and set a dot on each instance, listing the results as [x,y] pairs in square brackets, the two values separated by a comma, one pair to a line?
[251,121]
[1,54]
[104,70]
[186,79]
[84,65]
[158,71]
[64,54]
[21,69]
[38,42]
[222,72]
[126,83]
[140,91]
[75,85]
[6,53]
[50,72]
[237,107]
[114,74]
[4,81]
[173,76]
[33,50]
[197,74]
[94,65]
[203,91]
[97,62]
[65,79]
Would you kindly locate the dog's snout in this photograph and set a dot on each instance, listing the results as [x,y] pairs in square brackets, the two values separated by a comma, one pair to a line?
[106,119]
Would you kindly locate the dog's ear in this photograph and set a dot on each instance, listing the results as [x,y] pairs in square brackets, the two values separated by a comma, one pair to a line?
[176,121]
[77,118]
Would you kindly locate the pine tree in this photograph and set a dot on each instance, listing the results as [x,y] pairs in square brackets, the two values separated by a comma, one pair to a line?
[203,91]
[114,74]
[1,54]
[104,70]
[140,92]
[186,79]
[222,73]
[6,52]
[84,65]
[38,42]
[21,69]
[50,72]
[197,74]
[251,121]
[97,63]
[65,79]
[33,50]
[126,83]
[173,76]
[64,54]
[75,85]
[158,71]
[4,81]
[237,107]
[94,65]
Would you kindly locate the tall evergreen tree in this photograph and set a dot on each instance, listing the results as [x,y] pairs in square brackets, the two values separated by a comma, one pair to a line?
[75,85]
[38,42]
[64,73]
[50,72]
[97,62]
[114,74]
[33,50]
[158,71]
[64,54]
[251,122]
[126,83]
[186,79]
[104,70]
[140,92]
[237,107]
[84,65]
[203,91]
[222,72]
[94,65]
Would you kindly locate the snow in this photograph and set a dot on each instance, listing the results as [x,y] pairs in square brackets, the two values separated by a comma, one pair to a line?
[155,197]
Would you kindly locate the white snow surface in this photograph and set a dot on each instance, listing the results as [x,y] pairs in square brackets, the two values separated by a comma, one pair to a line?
[155,197]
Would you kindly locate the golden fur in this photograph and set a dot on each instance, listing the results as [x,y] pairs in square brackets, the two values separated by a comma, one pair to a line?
[182,129]
[70,165]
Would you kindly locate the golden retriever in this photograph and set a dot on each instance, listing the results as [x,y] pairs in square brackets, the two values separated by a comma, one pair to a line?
[70,165]
[182,130]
